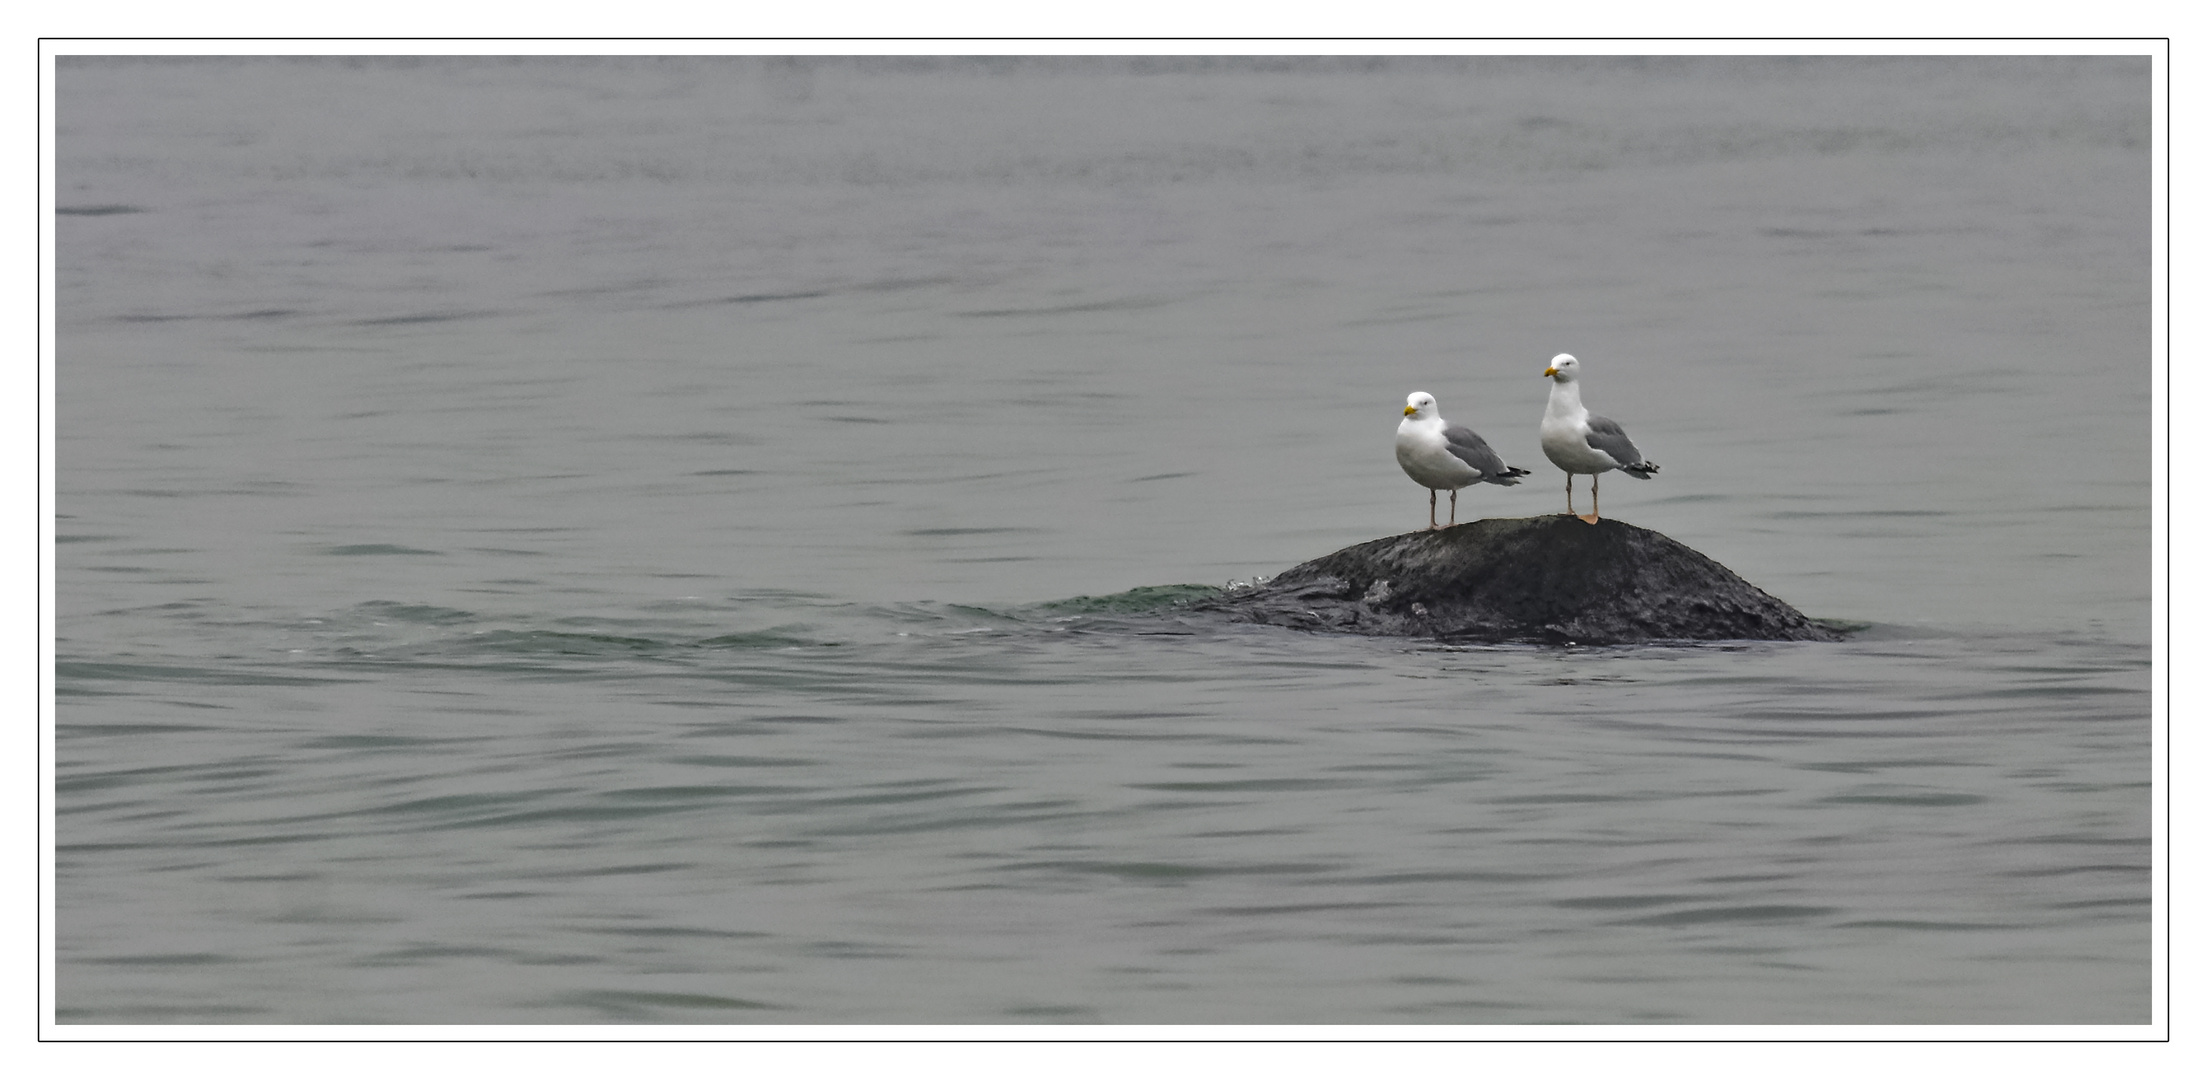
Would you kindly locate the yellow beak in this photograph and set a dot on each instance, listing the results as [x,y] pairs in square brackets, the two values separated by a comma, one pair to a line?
[1409,409]
[1547,373]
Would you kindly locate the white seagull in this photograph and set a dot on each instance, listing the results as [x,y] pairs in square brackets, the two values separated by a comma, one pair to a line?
[1581,442]
[1439,455]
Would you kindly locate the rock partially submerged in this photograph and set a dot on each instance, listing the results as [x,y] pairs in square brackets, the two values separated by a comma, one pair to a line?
[1553,579]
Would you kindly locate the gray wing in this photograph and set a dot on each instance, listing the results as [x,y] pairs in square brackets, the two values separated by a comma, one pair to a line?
[1604,435]
[1472,450]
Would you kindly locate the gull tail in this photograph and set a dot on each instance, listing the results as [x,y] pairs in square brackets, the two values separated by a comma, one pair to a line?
[1509,475]
[1643,469]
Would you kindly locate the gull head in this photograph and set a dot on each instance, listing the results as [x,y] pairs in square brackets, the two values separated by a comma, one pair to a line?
[1564,368]
[1420,405]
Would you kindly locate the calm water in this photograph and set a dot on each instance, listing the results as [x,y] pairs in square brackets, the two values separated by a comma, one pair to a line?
[597,540]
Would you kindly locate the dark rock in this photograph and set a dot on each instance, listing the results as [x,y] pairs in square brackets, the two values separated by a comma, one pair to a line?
[1553,579]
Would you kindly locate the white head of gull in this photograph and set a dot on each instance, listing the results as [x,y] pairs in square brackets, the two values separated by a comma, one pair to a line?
[1581,442]
[1438,455]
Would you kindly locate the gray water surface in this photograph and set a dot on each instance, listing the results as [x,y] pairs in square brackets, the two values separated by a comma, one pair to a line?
[626,540]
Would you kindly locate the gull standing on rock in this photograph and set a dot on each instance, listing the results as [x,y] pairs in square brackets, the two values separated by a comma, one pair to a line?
[1581,442]
[1439,455]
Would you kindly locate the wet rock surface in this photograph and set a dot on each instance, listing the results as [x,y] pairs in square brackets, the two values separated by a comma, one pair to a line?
[1552,580]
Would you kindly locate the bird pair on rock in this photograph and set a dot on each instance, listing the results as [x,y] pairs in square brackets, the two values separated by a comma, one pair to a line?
[1440,455]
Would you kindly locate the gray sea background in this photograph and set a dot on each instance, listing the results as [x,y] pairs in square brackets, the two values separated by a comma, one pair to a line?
[674,541]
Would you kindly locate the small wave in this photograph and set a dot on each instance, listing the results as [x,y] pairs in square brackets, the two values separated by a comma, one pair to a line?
[1145,598]
[748,298]
[463,638]
[1130,304]
[412,613]
[418,317]
[777,638]
[1845,628]
[639,1004]
[550,642]
[74,671]
[1747,913]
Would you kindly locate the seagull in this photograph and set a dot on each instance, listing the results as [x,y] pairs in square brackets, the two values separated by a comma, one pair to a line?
[1581,442]
[1439,455]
